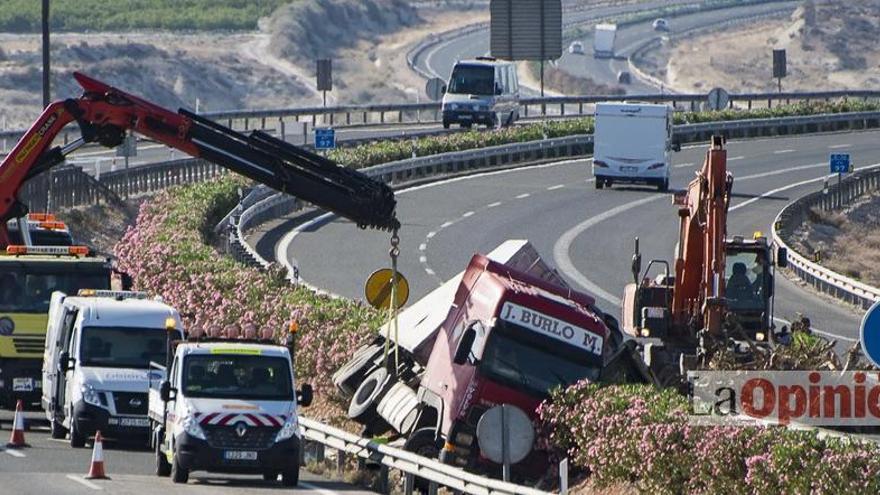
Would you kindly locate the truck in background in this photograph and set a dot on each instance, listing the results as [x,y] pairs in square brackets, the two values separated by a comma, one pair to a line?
[604,36]
[618,157]
[99,345]
[505,331]
[227,407]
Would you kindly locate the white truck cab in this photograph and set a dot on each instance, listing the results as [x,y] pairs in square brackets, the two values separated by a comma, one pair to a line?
[99,345]
[229,407]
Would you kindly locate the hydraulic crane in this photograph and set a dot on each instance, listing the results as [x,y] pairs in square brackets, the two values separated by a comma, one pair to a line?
[104,115]
[721,289]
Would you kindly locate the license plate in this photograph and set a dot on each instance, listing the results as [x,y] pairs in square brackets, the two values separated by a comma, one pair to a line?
[134,422]
[23,384]
[240,455]
[629,169]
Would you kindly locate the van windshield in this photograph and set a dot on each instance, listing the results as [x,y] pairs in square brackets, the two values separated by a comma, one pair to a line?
[122,347]
[521,359]
[232,376]
[472,80]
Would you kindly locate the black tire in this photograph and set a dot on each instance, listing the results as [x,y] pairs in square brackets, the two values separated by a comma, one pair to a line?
[362,407]
[56,430]
[270,476]
[446,124]
[600,184]
[163,468]
[664,186]
[608,183]
[290,477]
[77,439]
[347,378]
[423,442]
[178,474]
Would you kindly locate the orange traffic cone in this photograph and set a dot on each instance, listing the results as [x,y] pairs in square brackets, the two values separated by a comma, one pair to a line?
[16,440]
[96,470]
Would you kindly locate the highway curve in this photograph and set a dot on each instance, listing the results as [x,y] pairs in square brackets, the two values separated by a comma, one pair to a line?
[587,233]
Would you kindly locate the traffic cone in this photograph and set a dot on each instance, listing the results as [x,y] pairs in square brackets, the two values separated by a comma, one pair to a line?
[16,440]
[96,470]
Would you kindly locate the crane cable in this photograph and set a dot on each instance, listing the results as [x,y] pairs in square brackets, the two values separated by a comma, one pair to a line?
[394,252]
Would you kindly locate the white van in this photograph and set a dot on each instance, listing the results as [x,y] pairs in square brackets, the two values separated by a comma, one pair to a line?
[481,91]
[99,346]
[631,144]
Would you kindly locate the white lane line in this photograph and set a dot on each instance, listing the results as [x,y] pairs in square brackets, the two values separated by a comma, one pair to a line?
[14,453]
[523,196]
[429,271]
[493,205]
[467,214]
[839,146]
[423,246]
[315,488]
[735,158]
[430,235]
[85,482]
[446,224]
[780,152]
[423,259]
[553,188]
[683,165]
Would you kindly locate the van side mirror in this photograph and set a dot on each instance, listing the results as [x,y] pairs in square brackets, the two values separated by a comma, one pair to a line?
[64,362]
[464,346]
[165,391]
[305,395]
[782,257]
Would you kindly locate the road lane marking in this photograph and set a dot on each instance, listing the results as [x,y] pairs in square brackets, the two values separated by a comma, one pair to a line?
[315,488]
[83,482]
[429,271]
[553,188]
[736,158]
[14,453]
[446,224]
[423,259]
[523,196]
[431,235]
[839,146]
[423,246]
[683,165]
[493,205]
[780,152]
[467,214]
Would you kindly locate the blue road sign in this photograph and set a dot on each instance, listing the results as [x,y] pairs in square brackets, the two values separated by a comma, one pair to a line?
[840,163]
[869,334]
[325,139]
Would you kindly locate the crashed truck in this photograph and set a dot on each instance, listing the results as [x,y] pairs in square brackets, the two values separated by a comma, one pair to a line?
[507,330]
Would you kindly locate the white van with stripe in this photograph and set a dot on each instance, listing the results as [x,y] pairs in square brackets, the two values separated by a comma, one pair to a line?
[229,407]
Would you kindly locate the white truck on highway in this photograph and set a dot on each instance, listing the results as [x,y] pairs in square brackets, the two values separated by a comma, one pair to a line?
[228,407]
[632,144]
[603,40]
[99,345]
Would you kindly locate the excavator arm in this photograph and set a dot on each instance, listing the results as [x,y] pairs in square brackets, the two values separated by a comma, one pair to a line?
[105,114]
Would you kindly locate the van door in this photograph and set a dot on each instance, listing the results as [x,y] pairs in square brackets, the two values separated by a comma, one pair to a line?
[70,344]
[51,351]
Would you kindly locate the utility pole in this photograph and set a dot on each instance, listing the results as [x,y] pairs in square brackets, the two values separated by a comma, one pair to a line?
[45,16]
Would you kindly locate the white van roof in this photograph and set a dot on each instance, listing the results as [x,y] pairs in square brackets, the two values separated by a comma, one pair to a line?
[484,61]
[233,347]
[140,313]
[643,109]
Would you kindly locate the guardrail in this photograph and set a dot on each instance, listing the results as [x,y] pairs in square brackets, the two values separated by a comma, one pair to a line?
[411,465]
[795,214]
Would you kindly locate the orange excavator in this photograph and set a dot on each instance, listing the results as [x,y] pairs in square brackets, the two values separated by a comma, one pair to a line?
[720,290]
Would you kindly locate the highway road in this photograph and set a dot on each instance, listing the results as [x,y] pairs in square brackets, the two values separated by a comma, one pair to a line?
[53,467]
[587,233]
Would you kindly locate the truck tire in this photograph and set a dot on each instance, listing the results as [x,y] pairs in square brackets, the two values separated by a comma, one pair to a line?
[178,474]
[423,442]
[362,407]
[163,468]
[56,429]
[348,377]
[77,439]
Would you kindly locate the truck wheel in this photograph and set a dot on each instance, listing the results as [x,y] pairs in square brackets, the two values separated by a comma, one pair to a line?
[290,477]
[163,468]
[362,407]
[347,377]
[77,439]
[178,474]
[425,443]
[56,430]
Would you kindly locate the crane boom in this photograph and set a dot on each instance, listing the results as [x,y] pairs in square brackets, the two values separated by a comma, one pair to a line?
[105,114]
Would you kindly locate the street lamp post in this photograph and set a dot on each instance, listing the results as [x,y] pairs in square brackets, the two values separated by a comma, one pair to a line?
[45,53]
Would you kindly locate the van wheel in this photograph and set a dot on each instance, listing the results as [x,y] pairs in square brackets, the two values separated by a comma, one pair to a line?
[163,468]
[56,430]
[77,439]
[290,477]
[600,183]
[178,474]
[446,124]
[664,186]
[273,476]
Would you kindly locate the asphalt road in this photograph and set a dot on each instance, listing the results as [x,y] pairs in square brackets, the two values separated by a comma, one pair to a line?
[53,467]
[588,234]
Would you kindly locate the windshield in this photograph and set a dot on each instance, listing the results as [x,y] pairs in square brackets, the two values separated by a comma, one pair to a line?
[28,289]
[519,358]
[122,347]
[472,80]
[745,280]
[227,376]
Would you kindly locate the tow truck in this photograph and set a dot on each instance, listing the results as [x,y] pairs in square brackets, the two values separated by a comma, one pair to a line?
[105,115]
[718,293]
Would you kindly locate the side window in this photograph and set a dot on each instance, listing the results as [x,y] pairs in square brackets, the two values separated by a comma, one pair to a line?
[514,86]
[67,329]
[174,373]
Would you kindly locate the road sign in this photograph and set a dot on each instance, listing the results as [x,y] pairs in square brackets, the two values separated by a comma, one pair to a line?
[869,334]
[718,99]
[325,74]
[505,435]
[779,64]
[525,29]
[325,139]
[840,163]
[378,289]
[434,88]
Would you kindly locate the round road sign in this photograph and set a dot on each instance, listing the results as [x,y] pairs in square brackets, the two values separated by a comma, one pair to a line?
[378,289]
[869,334]
[520,434]
[434,88]
[718,99]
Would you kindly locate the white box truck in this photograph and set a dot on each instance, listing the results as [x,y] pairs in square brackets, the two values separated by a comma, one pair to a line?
[99,345]
[631,144]
[603,40]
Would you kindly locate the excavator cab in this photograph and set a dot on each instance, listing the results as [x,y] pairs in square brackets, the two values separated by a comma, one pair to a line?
[749,279]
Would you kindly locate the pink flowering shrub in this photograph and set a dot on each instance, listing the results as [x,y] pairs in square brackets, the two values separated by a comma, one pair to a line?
[640,436]
[166,253]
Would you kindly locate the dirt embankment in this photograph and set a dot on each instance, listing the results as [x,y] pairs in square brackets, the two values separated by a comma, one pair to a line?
[830,44]
[847,242]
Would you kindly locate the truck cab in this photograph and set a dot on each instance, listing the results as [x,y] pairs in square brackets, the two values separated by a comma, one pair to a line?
[228,407]
[98,349]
